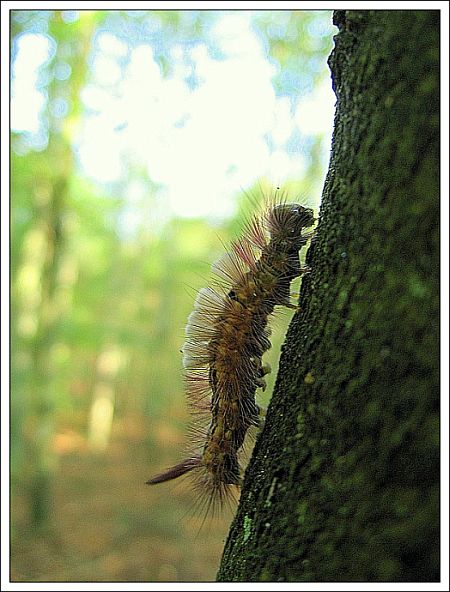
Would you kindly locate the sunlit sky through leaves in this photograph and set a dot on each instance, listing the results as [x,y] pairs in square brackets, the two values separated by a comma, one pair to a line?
[212,126]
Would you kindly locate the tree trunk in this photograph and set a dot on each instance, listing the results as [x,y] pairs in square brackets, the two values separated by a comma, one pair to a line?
[344,481]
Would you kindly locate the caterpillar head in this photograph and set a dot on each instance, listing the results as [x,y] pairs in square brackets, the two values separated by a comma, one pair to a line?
[286,222]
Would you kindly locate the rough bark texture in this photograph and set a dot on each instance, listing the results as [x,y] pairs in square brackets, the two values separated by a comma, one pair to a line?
[344,481]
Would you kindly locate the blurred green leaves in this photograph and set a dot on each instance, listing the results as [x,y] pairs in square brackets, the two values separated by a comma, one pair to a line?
[96,268]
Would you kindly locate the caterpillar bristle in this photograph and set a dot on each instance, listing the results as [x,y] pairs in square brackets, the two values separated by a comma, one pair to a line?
[176,471]
[226,337]
[230,268]
[254,231]
[209,302]
[245,251]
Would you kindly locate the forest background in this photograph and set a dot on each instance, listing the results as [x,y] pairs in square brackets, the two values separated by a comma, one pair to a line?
[136,139]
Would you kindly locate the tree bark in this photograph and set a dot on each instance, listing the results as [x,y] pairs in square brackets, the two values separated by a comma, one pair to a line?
[343,484]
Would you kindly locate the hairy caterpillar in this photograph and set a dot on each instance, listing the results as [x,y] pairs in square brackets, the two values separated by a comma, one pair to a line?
[226,337]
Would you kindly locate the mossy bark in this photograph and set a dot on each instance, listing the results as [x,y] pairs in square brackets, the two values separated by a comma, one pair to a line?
[344,481]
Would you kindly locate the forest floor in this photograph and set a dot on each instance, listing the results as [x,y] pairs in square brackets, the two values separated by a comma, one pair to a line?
[107,525]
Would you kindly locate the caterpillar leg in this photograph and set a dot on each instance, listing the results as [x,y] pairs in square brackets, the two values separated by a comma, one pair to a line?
[291,305]
[262,384]
[261,417]
[305,269]
[309,235]
[266,369]
[263,370]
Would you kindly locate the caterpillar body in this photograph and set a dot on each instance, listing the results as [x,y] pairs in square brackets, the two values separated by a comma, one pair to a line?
[226,337]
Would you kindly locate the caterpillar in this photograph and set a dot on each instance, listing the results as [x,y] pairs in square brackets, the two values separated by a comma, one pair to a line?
[226,336]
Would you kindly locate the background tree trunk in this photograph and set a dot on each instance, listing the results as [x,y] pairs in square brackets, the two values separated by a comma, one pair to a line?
[344,481]
[43,284]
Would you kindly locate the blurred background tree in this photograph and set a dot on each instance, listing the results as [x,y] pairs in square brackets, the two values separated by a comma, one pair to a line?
[134,136]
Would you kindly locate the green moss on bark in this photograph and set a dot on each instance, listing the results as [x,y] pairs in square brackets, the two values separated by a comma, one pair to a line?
[344,481]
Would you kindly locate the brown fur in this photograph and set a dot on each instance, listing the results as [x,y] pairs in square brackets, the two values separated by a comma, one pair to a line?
[226,338]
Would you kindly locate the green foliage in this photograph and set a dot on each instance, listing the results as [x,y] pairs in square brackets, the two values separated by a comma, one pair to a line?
[83,284]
